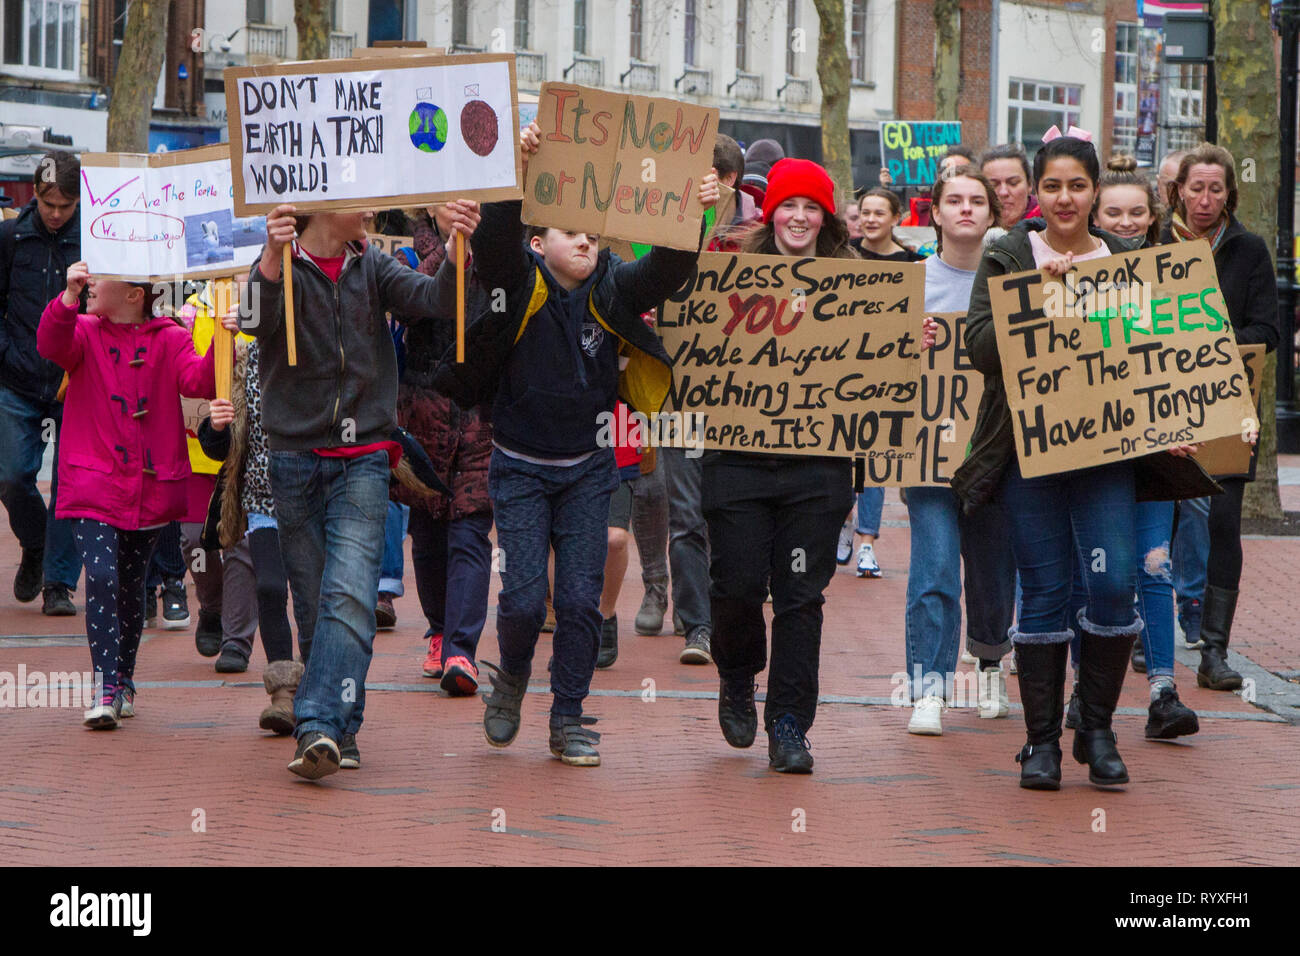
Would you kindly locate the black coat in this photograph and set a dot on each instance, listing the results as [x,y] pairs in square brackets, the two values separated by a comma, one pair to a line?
[1159,477]
[33,270]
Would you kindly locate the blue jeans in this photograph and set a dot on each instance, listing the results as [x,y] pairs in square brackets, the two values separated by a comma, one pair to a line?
[331,515]
[538,507]
[1155,519]
[392,566]
[1191,550]
[942,539]
[22,449]
[1089,516]
[871,502]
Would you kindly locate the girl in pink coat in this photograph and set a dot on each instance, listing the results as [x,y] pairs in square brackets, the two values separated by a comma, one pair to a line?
[123,461]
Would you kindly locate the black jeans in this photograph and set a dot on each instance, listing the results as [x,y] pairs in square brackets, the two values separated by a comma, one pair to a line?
[273,596]
[1223,570]
[773,520]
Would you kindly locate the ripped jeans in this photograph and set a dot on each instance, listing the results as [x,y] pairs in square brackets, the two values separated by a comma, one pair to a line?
[1086,516]
[1155,520]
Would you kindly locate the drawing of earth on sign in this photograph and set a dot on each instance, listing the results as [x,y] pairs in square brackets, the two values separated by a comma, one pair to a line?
[478,127]
[428,127]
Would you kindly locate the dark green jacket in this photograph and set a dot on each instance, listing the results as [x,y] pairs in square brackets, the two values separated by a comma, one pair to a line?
[1160,477]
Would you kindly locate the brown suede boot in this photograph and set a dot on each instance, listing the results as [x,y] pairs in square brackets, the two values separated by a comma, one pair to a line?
[281,681]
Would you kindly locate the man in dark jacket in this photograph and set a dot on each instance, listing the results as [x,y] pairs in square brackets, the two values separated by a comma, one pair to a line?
[567,343]
[35,251]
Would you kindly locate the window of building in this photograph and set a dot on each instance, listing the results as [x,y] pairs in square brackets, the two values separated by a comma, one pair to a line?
[580,27]
[1034,107]
[387,21]
[255,11]
[688,23]
[858,41]
[460,22]
[742,35]
[634,29]
[523,17]
[1124,135]
[43,34]
[791,24]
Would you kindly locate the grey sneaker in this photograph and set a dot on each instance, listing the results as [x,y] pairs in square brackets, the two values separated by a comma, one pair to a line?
[506,700]
[317,756]
[572,742]
[650,619]
[607,654]
[697,649]
[349,755]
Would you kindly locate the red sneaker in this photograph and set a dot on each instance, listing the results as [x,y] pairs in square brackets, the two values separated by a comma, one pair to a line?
[433,662]
[461,677]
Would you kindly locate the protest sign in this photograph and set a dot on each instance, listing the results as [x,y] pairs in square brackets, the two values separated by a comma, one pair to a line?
[800,356]
[1122,357]
[389,245]
[373,133]
[911,151]
[151,216]
[1225,457]
[620,165]
[947,402]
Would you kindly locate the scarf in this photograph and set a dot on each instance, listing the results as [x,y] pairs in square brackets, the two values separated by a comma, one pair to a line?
[1184,234]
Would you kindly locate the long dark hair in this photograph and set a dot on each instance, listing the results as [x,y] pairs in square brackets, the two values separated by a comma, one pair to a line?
[832,239]
[1069,147]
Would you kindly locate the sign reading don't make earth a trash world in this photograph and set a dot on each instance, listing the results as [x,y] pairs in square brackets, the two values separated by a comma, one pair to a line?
[619,165]
[1121,357]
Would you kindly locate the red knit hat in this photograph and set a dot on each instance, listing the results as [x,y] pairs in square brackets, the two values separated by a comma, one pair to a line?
[798,177]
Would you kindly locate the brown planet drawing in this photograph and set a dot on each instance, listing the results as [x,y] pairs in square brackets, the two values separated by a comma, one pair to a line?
[478,127]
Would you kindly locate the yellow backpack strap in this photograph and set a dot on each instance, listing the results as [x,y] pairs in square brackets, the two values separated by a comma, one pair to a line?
[535,302]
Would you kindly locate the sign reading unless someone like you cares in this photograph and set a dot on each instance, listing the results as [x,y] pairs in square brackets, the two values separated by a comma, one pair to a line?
[1121,357]
[373,133]
[147,216]
[623,166]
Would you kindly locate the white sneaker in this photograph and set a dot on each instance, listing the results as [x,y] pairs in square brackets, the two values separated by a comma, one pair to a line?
[867,566]
[968,658]
[101,717]
[844,550]
[925,716]
[993,700]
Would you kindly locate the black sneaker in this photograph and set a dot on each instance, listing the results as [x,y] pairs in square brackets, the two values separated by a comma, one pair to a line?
[349,755]
[30,576]
[737,714]
[151,610]
[1139,658]
[207,636]
[608,652]
[317,756]
[231,661]
[57,601]
[788,750]
[506,700]
[385,615]
[572,742]
[697,649]
[1168,717]
[176,607]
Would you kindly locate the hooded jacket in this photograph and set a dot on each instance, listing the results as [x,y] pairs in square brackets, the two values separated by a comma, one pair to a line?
[33,270]
[343,391]
[548,361]
[123,458]
[1159,477]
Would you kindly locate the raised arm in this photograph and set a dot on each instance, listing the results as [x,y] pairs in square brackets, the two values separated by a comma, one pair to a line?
[60,337]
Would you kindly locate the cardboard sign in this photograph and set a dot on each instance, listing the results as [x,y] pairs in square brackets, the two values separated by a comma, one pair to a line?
[947,403]
[389,245]
[911,151]
[800,356]
[1226,457]
[619,165]
[147,216]
[1124,356]
[376,132]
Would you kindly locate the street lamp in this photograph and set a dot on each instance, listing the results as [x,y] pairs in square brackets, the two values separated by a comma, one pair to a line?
[1288,416]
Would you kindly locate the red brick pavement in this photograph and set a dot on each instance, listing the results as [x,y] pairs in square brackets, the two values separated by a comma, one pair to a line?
[670,790]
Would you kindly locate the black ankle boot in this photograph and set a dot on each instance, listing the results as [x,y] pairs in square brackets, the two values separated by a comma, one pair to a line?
[1216,627]
[1041,671]
[1103,662]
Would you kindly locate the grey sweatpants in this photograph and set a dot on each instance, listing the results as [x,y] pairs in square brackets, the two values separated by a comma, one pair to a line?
[225,585]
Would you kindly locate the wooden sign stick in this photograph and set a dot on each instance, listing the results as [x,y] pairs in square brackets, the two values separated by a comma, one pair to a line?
[460,297]
[223,296]
[288,304]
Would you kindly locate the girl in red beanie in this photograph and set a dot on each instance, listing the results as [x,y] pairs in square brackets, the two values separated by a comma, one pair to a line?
[776,508]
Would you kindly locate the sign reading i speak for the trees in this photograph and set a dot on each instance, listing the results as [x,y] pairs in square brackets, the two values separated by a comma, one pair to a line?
[373,133]
[1121,357]
[618,165]
[800,356]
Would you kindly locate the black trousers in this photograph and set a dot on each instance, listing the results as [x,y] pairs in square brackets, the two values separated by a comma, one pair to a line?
[1223,569]
[773,522]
